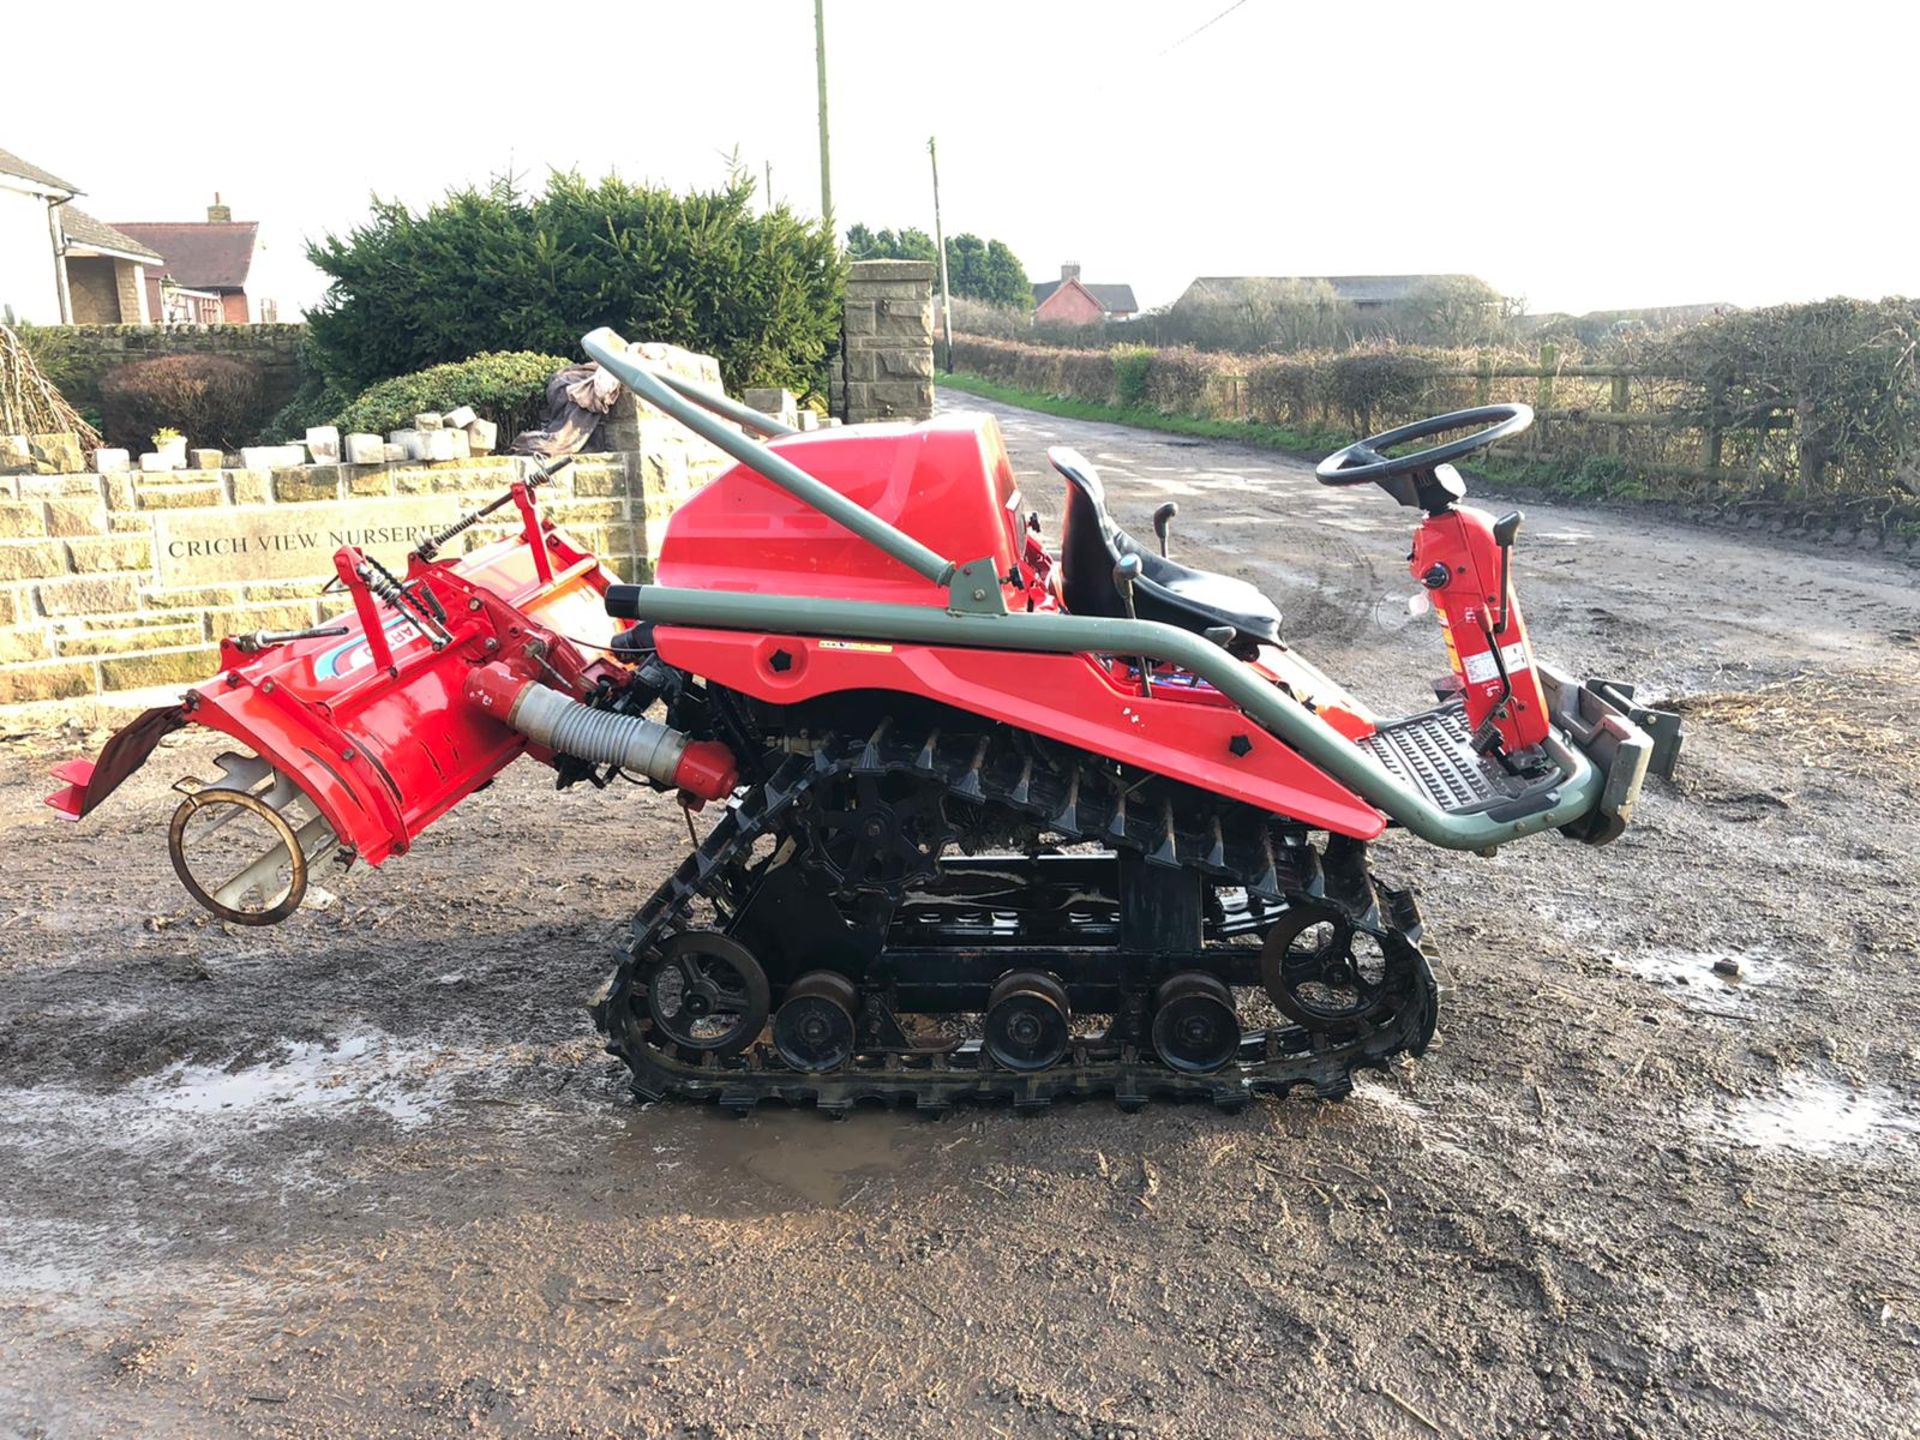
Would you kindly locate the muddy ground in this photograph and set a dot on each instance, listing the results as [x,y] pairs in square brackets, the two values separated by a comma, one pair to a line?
[370,1175]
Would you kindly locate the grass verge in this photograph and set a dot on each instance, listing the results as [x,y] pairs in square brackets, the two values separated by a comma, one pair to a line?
[1314,443]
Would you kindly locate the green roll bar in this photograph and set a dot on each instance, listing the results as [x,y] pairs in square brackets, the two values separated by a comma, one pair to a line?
[615,354]
[1578,793]
[718,401]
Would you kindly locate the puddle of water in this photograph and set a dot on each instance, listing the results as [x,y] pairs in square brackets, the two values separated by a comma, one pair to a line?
[1808,1115]
[800,1152]
[366,1069]
[405,1080]
[1693,970]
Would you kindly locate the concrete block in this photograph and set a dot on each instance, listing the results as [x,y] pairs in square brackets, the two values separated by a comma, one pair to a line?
[206,459]
[16,455]
[323,443]
[156,462]
[429,421]
[394,454]
[483,437]
[436,445]
[462,444]
[407,440]
[257,457]
[459,418]
[808,420]
[106,460]
[362,449]
[778,403]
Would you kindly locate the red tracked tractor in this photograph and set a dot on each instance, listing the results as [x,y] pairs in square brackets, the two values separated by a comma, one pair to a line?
[993,821]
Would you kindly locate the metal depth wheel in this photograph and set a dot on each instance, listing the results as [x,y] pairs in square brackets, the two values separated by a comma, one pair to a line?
[814,1029]
[706,992]
[1323,973]
[1196,1029]
[1027,1025]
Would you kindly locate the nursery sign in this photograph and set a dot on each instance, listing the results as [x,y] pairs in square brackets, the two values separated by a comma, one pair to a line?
[288,542]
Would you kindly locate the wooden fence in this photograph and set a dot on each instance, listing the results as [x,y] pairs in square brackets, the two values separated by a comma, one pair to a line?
[1608,410]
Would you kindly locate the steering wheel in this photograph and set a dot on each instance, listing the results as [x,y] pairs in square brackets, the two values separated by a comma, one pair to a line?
[1366,460]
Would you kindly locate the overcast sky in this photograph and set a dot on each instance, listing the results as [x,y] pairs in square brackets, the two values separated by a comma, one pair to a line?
[1582,157]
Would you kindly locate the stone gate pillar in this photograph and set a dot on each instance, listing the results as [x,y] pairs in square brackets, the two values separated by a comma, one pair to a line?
[886,352]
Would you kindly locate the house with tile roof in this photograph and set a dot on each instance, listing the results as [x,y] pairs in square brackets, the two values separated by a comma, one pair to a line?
[59,265]
[205,276]
[1073,301]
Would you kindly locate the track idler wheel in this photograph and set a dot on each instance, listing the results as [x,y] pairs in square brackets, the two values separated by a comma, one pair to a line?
[706,992]
[814,1027]
[1322,972]
[1028,1026]
[1196,1029]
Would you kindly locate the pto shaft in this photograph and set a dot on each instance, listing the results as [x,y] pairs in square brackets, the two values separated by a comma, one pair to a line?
[563,725]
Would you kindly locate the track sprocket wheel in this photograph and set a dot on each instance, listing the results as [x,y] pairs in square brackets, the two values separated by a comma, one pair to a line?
[706,992]
[879,833]
[1322,972]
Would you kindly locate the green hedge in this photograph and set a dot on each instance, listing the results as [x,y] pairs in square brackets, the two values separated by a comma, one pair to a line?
[718,272]
[508,387]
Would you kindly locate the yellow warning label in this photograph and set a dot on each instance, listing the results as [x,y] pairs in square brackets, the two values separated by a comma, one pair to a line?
[866,647]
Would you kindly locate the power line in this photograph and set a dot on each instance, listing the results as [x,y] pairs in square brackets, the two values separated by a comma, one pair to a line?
[1196,30]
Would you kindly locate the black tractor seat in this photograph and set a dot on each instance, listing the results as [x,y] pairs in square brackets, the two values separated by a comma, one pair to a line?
[1091,544]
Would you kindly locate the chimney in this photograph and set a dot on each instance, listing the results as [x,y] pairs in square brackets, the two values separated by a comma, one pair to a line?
[218,213]
[1069,272]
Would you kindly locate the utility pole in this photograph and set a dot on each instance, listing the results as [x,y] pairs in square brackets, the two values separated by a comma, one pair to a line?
[940,244]
[820,63]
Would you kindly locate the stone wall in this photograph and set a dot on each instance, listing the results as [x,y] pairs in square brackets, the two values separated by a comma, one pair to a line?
[74,357]
[886,353]
[122,581]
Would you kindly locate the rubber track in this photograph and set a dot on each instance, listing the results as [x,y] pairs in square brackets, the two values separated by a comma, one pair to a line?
[1165,821]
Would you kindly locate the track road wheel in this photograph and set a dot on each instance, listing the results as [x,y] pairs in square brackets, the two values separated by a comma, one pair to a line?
[1324,974]
[706,992]
[814,1028]
[1195,1027]
[1027,1021]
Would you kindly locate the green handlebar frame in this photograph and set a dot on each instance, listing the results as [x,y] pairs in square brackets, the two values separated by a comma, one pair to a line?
[1579,793]
[674,395]
[1276,711]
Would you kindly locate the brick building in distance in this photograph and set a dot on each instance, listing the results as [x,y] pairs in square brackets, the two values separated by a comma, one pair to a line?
[204,279]
[1073,301]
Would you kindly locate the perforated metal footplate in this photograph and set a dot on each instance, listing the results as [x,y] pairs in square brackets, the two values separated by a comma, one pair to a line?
[1434,753]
